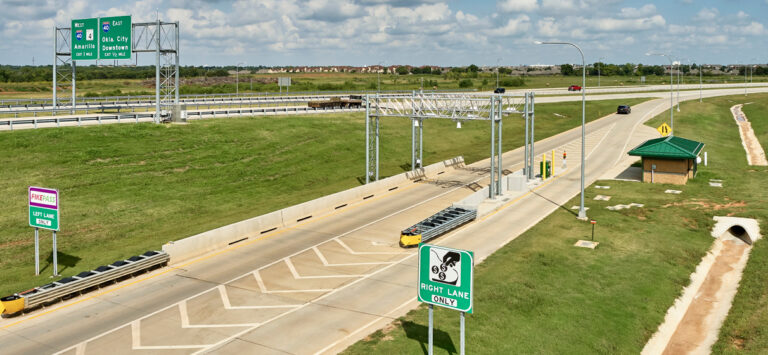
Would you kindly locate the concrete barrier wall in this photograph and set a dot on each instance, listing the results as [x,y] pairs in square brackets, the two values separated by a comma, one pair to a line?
[473,200]
[220,238]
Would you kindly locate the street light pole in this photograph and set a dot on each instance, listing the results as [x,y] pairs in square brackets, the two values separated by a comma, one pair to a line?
[497,71]
[599,64]
[237,76]
[678,86]
[582,211]
[671,92]
[378,76]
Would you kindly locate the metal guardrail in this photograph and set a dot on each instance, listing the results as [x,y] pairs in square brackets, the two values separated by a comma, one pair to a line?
[66,101]
[441,222]
[193,114]
[101,276]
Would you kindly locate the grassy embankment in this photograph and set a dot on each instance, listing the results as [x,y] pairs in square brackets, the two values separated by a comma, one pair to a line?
[131,187]
[539,294]
[744,331]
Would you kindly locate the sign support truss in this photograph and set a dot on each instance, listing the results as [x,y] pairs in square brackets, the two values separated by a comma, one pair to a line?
[63,65]
[418,107]
[161,38]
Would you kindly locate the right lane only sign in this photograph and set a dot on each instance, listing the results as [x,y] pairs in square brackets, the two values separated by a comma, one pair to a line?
[445,277]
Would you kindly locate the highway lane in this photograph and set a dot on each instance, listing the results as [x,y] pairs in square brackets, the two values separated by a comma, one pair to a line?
[246,296]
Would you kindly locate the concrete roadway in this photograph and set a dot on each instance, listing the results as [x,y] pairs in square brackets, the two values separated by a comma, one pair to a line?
[316,287]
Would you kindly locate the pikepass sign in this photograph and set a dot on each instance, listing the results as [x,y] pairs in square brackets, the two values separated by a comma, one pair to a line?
[445,277]
[43,208]
[101,38]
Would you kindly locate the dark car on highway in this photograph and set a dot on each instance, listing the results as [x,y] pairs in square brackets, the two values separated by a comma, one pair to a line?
[499,91]
[574,88]
[625,109]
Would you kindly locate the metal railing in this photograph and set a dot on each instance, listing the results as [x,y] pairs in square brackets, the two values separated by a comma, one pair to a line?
[441,222]
[101,276]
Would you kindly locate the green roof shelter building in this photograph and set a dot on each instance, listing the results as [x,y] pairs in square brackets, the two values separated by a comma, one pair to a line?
[668,160]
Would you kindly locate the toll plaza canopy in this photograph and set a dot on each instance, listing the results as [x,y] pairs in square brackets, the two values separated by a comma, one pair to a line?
[668,160]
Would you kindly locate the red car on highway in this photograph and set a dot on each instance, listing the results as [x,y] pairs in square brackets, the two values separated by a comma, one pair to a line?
[574,88]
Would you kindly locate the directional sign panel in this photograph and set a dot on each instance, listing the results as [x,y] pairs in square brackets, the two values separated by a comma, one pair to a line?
[445,277]
[84,39]
[43,208]
[115,37]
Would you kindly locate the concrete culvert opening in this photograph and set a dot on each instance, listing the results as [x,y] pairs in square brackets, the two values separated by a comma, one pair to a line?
[741,233]
[744,229]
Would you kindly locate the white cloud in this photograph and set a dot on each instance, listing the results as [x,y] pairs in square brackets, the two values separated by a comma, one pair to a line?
[707,14]
[518,5]
[514,26]
[548,27]
[631,12]
[611,24]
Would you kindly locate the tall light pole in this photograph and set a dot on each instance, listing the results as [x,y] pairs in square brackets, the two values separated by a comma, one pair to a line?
[671,92]
[378,76]
[582,211]
[497,71]
[745,80]
[678,85]
[237,76]
[599,64]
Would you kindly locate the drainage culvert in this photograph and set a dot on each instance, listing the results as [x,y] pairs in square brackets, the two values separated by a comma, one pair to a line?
[692,323]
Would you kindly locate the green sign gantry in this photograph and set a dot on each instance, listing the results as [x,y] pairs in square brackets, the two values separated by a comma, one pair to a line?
[446,277]
[115,37]
[101,38]
[84,40]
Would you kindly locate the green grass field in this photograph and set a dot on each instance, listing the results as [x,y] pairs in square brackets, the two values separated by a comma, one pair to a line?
[538,294]
[128,188]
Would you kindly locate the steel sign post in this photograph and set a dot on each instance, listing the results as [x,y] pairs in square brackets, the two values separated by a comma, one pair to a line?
[44,213]
[446,280]
[115,37]
[85,38]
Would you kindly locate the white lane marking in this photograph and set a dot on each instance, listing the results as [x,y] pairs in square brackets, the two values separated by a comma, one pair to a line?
[185,320]
[326,263]
[263,288]
[334,291]
[337,240]
[594,148]
[365,326]
[80,349]
[225,299]
[299,277]
[642,120]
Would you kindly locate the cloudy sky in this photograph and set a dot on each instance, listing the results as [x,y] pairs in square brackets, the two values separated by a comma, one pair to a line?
[416,32]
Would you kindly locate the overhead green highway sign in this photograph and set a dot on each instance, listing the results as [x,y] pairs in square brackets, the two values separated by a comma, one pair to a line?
[445,277]
[84,39]
[115,37]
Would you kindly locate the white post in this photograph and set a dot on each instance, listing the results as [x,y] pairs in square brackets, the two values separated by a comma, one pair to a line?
[461,341]
[55,59]
[55,256]
[73,86]
[431,328]
[37,251]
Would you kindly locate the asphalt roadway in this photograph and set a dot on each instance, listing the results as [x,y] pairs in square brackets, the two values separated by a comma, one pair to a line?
[320,286]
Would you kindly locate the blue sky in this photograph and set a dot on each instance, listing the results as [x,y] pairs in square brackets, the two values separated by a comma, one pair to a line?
[416,32]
